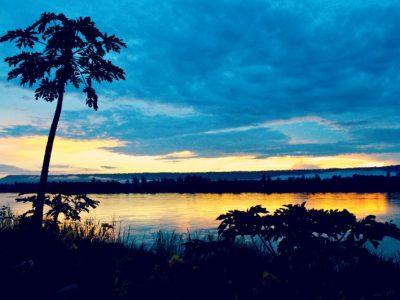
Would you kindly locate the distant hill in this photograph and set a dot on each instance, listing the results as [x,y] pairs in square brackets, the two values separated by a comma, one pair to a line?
[239,175]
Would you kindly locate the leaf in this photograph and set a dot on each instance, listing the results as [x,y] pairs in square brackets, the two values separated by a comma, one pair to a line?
[47,90]
[91,97]
[24,38]
[112,43]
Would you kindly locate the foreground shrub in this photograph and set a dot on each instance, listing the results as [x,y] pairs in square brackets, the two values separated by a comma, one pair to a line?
[295,229]
[69,207]
[87,260]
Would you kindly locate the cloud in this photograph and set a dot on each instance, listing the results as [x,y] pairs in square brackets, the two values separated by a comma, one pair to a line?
[108,167]
[222,78]
[179,155]
[279,122]
[23,155]
[60,166]
[149,108]
[386,136]
[11,170]
[305,166]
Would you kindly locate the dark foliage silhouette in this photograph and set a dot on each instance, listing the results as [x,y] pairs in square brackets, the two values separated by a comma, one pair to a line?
[69,206]
[294,229]
[318,255]
[198,184]
[56,52]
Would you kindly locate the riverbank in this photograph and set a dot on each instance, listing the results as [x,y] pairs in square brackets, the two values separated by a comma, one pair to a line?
[93,261]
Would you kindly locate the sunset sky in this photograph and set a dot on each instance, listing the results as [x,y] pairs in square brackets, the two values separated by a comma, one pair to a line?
[219,85]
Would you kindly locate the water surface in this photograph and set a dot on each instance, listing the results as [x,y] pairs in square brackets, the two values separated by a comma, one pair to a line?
[148,213]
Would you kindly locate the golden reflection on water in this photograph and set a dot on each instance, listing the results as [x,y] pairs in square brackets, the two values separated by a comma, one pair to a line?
[146,213]
[182,212]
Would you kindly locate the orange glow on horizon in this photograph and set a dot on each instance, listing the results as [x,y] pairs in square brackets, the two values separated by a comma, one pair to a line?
[91,155]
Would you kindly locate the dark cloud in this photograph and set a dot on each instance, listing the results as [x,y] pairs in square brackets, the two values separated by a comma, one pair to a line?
[12,170]
[240,63]
[386,136]
[22,130]
[108,167]
[60,166]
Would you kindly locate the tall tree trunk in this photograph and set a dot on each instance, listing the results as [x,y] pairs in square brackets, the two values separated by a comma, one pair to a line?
[38,205]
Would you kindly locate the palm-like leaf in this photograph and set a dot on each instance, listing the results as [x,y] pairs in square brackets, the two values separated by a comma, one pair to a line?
[295,228]
[67,51]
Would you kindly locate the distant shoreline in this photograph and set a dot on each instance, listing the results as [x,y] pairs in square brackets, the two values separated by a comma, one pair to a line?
[198,184]
[213,175]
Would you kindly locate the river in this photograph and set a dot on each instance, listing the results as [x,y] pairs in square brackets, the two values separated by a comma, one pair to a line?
[142,215]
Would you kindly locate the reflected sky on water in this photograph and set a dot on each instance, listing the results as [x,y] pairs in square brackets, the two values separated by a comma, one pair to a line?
[143,215]
[147,213]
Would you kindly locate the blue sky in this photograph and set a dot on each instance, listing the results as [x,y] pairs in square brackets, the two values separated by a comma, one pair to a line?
[216,79]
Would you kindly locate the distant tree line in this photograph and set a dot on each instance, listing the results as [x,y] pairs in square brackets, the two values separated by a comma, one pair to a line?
[199,184]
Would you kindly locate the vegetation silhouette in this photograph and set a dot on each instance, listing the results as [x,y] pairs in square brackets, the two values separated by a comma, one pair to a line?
[316,254]
[57,51]
[294,229]
[69,206]
[199,184]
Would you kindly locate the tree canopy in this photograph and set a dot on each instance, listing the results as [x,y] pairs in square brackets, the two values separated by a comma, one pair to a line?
[57,50]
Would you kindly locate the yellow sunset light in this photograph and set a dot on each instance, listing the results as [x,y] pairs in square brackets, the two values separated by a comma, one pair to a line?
[91,155]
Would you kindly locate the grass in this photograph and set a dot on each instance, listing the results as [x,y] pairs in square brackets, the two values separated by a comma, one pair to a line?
[90,260]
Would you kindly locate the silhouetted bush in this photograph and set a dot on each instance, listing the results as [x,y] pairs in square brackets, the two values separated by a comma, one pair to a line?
[68,206]
[318,255]
[294,228]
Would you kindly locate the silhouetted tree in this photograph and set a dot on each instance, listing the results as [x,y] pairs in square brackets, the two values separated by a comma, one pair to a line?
[135,181]
[57,51]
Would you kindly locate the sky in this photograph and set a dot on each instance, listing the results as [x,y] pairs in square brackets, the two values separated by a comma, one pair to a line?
[218,86]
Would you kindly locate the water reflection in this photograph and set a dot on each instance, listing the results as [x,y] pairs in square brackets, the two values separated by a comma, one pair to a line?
[148,213]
